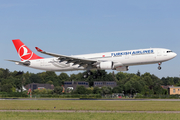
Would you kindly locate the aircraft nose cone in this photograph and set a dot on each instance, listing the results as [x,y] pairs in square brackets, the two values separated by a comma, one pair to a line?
[174,55]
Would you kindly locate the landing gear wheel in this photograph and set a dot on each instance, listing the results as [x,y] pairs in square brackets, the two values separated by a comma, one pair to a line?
[159,68]
[89,73]
[85,75]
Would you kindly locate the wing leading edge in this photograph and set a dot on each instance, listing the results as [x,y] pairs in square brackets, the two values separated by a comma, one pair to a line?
[69,59]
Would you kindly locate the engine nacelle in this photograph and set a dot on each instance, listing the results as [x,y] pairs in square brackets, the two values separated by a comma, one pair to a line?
[122,68]
[108,65]
[27,63]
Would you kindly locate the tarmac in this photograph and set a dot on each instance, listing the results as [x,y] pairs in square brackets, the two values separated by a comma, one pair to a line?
[87,111]
[90,99]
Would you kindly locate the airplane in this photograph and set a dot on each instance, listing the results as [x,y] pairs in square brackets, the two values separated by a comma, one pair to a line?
[118,60]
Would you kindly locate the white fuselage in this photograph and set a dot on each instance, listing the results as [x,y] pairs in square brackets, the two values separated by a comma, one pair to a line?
[119,59]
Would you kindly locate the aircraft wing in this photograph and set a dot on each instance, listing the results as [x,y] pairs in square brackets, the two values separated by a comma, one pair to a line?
[69,59]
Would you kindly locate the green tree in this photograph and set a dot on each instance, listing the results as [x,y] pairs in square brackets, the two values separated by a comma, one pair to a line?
[79,77]
[96,90]
[58,89]
[127,87]
[27,76]
[35,78]
[49,82]
[106,90]
[1,73]
[7,88]
[148,80]
[18,83]
[89,90]
[80,90]
[63,77]
[72,77]
[176,80]
[117,89]
[42,91]
[6,73]
[133,84]
[51,76]
[120,76]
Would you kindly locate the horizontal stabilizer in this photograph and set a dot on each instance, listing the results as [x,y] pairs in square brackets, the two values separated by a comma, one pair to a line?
[27,63]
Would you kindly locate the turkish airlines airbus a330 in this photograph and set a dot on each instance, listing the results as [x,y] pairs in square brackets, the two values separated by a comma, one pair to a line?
[118,60]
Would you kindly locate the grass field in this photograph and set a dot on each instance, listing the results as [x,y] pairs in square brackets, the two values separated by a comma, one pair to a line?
[90,105]
[87,116]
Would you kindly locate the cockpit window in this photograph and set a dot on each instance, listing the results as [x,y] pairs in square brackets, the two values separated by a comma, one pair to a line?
[169,51]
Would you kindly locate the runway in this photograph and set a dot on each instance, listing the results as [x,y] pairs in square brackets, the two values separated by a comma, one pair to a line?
[90,99]
[87,111]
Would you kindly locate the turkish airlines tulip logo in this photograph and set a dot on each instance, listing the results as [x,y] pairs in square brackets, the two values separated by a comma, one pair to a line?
[25,53]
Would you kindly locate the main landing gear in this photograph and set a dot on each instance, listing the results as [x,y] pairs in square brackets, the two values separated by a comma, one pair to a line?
[159,67]
[89,73]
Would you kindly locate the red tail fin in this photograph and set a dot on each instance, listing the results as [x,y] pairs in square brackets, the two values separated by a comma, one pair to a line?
[24,52]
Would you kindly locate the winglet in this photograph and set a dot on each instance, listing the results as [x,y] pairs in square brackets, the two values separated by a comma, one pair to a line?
[38,49]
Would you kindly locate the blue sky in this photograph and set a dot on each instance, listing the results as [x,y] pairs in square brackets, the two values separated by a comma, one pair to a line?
[79,27]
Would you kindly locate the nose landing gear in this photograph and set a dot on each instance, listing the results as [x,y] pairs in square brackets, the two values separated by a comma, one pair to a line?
[159,67]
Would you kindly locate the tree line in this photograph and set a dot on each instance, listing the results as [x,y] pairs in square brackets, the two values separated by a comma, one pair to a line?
[128,83]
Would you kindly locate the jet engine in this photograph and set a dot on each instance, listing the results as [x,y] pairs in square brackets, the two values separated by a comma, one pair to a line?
[122,68]
[107,65]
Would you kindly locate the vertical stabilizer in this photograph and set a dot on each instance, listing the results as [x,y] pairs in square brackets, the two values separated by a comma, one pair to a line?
[24,52]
